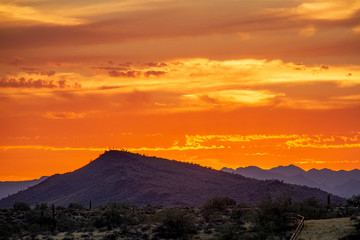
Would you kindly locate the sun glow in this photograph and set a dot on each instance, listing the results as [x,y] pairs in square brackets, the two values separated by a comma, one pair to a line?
[219,83]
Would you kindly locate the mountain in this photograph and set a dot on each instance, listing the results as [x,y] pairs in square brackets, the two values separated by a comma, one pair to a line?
[342,183]
[288,171]
[10,187]
[137,179]
[348,189]
[255,172]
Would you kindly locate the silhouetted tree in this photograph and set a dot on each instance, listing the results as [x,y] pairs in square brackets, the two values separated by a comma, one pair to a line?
[21,206]
[354,201]
[176,224]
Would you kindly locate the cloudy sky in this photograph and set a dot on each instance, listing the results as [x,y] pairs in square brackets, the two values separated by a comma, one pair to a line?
[220,83]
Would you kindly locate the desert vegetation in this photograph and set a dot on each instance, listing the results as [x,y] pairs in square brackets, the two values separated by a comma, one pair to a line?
[218,218]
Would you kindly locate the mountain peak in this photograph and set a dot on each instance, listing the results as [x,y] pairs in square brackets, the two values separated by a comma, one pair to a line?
[290,170]
[251,167]
[111,154]
[291,166]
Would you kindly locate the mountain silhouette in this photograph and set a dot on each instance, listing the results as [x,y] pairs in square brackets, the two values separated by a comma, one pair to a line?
[137,179]
[290,170]
[10,187]
[342,183]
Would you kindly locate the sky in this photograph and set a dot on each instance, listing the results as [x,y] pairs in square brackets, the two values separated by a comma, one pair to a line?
[220,83]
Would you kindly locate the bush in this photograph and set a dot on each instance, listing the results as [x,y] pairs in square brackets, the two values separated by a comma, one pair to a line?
[76,206]
[110,218]
[41,206]
[175,224]
[6,230]
[216,205]
[230,232]
[39,220]
[354,201]
[311,208]
[357,226]
[354,236]
[270,218]
[21,206]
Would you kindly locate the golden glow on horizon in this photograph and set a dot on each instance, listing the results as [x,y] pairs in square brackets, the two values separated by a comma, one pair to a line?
[218,83]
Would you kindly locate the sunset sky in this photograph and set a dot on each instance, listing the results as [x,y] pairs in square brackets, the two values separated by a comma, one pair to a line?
[220,83]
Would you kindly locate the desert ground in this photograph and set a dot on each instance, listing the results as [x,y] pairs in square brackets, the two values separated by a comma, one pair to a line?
[326,229]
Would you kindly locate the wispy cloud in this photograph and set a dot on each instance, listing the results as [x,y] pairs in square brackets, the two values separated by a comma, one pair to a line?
[42,147]
[63,115]
[32,83]
[14,13]
[288,140]
[327,162]
[139,149]
[307,31]
[331,10]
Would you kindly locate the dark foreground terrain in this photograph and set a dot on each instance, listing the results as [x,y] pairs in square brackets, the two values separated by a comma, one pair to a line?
[218,218]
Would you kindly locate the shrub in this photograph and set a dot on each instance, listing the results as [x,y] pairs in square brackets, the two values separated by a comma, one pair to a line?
[216,205]
[6,230]
[357,226]
[354,201]
[175,224]
[40,219]
[270,218]
[76,206]
[110,218]
[41,206]
[354,236]
[230,232]
[311,208]
[21,206]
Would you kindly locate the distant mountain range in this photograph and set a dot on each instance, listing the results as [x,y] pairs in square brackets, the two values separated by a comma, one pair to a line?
[341,183]
[10,187]
[127,177]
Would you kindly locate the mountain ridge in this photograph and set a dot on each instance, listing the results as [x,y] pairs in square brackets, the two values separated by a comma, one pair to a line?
[336,182]
[10,187]
[137,179]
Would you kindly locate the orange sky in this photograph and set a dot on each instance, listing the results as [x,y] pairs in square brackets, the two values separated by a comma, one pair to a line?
[221,83]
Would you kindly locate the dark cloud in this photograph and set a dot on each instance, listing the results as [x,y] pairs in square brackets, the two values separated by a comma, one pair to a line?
[36,71]
[30,69]
[108,87]
[31,83]
[16,61]
[208,99]
[324,67]
[110,68]
[130,74]
[154,73]
[127,64]
[153,64]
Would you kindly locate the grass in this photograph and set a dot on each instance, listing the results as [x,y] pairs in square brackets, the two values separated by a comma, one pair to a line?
[334,228]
